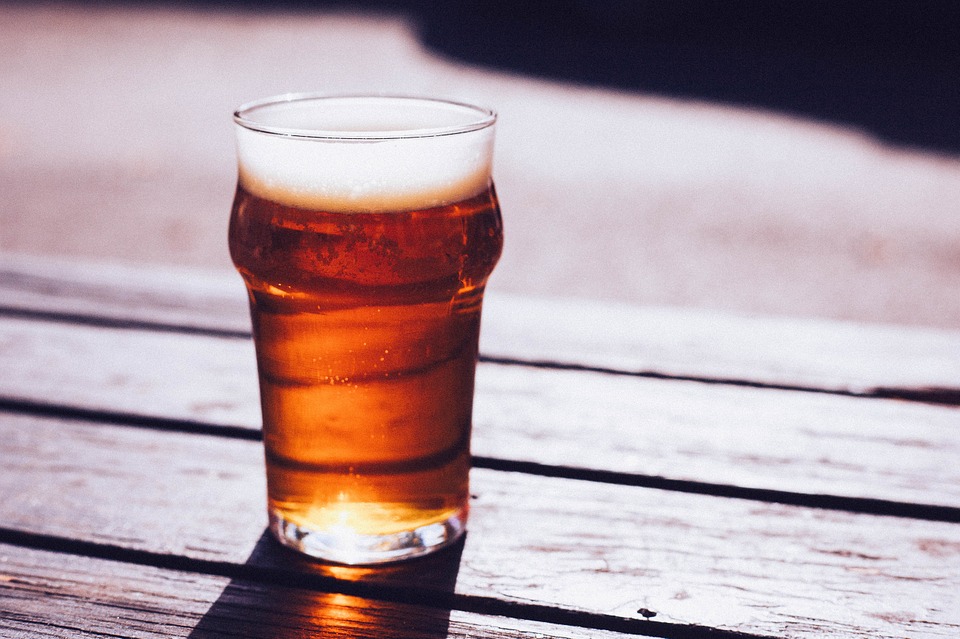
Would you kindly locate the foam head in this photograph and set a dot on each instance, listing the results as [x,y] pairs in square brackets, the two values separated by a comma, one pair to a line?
[364,154]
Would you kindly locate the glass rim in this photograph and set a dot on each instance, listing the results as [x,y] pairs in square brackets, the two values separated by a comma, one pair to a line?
[241,116]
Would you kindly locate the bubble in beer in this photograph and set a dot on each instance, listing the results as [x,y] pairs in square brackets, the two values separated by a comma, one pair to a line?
[365,256]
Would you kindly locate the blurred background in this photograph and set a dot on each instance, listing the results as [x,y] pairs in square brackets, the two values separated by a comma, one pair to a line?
[758,157]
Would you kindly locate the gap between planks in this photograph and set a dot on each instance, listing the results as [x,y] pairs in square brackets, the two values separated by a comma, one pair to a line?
[95,597]
[861,505]
[577,545]
[476,604]
[944,396]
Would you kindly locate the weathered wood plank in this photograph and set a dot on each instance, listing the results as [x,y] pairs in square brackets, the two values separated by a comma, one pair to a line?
[835,356]
[533,541]
[188,297]
[45,593]
[777,440]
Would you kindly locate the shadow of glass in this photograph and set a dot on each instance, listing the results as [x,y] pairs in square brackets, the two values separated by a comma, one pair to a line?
[287,595]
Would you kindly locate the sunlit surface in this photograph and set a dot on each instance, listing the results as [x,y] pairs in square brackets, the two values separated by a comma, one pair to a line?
[611,195]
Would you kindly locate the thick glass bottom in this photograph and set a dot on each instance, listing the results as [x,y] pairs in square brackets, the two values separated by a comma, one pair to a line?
[348,547]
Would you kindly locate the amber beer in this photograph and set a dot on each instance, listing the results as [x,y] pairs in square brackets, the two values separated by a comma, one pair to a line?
[365,230]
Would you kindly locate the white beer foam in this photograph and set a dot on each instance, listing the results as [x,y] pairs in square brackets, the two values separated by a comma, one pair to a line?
[364,170]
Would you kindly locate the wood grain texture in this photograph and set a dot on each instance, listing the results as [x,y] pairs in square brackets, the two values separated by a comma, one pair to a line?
[835,356]
[629,195]
[574,545]
[738,436]
[52,594]
[184,297]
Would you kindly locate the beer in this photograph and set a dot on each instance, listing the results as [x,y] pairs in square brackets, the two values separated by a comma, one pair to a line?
[366,317]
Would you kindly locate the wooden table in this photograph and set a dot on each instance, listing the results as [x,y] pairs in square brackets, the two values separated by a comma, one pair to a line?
[667,473]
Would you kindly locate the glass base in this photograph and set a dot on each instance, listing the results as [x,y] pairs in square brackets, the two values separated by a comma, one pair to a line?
[348,547]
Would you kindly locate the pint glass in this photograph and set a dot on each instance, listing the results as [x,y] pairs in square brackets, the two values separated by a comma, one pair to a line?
[365,229]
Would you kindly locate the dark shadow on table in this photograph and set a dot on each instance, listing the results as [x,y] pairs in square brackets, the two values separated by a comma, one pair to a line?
[889,68]
[283,595]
